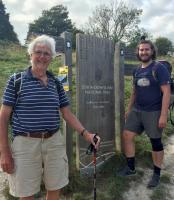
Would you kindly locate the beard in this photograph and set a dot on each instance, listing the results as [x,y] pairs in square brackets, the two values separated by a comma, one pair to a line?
[145,59]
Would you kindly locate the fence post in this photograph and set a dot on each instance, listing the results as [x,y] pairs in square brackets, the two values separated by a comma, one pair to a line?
[119,94]
[68,62]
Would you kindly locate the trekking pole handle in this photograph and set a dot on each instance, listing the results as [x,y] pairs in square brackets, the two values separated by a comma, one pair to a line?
[91,148]
[95,138]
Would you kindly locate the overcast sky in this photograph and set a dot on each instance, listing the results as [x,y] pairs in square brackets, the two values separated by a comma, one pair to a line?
[157,17]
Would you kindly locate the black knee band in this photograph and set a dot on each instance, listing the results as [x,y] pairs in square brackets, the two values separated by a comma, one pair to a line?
[156,144]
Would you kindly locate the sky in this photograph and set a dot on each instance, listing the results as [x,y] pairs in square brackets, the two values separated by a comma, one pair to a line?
[157,17]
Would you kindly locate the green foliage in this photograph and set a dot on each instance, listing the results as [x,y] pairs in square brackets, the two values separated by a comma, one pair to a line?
[52,22]
[74,32]
[12,59]
[128,89]
[6,29]
[165,178]
[136,36]
[164,45]
[114,21]
[7,194]
[143,150]
[77,183]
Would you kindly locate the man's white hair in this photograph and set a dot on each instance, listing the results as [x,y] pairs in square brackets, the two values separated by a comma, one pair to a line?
[46,40]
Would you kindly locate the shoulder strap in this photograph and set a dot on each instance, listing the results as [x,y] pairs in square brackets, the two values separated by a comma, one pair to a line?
[17,82]
[18,79]
[135,71]
[154,68]
[57,81]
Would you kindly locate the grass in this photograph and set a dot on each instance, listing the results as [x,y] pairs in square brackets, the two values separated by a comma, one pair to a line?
[160,193]
[165,178]
[109,186]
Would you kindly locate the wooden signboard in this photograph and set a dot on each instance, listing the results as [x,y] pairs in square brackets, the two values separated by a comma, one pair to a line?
[95,96]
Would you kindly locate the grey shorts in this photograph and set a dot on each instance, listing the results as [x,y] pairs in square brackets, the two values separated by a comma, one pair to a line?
[139,121]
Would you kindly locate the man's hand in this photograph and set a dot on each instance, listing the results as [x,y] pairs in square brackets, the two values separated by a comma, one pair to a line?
[6,161]
[162,121]
[90,138]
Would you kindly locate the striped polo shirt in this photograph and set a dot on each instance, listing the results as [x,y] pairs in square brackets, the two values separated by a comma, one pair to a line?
[37,107]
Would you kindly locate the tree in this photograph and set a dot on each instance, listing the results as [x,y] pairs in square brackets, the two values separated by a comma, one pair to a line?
[6,29]
[136,37]
[52,22]
[164,45]
[74,32]
[115,21]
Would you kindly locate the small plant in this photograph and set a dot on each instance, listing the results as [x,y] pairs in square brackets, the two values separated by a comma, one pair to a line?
[165,178]
[7,194]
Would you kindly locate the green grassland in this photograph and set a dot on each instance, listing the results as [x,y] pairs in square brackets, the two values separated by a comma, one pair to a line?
[109,187]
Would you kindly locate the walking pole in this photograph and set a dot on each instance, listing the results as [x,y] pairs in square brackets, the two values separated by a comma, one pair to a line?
[95,176]
[89,151]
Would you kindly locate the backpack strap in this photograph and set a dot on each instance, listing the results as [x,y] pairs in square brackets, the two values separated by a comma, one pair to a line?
[135,73]
[57,81]
[18,79]
[154,68]
[17,82]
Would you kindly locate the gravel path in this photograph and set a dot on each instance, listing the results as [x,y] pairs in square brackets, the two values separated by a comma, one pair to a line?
[2,182]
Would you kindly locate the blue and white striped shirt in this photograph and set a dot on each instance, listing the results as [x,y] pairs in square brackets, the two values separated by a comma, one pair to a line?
[37,108]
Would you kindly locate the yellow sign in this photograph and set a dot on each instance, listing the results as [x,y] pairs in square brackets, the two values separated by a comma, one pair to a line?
[63,77]
[63,70]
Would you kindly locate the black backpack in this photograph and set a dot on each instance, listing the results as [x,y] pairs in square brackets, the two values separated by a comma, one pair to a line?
[168,66]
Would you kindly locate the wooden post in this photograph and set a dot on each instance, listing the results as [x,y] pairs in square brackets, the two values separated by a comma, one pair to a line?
[68,62]
[119,94]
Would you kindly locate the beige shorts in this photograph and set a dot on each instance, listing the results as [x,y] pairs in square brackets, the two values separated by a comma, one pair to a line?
[35,159]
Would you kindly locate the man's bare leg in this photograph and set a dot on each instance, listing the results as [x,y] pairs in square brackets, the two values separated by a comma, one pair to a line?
[53,195]
[128,142]
[157,157]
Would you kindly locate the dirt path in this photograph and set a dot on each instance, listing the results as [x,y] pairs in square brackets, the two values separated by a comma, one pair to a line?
[138,190]
[2,182]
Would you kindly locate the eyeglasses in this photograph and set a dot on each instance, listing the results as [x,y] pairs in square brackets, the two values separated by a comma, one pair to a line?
[44,53]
